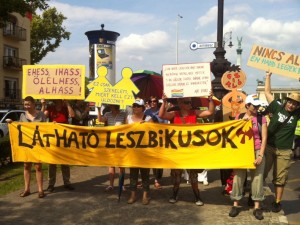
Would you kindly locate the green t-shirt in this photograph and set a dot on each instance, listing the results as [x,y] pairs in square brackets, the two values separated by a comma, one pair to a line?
[282,137]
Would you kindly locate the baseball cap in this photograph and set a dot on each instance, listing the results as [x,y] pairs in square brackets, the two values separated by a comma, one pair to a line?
[253,99]
[139,101]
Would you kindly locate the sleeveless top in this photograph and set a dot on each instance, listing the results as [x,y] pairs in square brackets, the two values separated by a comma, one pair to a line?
[191,118]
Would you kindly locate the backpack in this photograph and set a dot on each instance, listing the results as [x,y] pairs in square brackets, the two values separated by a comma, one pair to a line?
[259,121]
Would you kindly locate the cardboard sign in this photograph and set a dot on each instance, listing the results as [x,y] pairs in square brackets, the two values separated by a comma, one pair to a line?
[187,80]
[278,62]
[122,93]
[54,81]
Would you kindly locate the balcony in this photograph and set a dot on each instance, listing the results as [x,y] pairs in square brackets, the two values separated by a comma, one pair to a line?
[10,62]
[13,31]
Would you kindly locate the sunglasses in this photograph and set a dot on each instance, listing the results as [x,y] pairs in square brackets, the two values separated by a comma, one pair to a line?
[153,101]
[186,102]
[137,106]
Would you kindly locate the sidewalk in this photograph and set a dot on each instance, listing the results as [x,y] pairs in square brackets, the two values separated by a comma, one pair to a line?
[89,204]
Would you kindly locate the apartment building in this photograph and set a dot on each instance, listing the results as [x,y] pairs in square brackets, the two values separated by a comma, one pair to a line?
[14,53]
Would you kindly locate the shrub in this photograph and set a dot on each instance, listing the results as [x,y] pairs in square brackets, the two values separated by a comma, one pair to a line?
[5,151]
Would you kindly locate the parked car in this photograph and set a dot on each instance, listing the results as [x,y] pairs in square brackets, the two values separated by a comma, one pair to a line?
[13,114]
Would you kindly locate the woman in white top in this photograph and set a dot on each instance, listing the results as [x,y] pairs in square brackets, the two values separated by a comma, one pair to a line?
[113,118]
[138,116]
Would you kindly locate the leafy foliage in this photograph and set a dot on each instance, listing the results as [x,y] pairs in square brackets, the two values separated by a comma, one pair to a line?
[19,6]
[47,32]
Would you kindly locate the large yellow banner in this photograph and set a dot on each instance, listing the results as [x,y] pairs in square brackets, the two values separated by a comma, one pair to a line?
[149,145]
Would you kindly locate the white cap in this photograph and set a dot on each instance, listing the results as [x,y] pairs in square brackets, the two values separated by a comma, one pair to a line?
[253,99]
[139,101]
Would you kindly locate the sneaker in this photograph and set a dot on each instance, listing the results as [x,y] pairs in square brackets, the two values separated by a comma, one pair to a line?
[276,207]
[50,188]
[69,187]
[205,183]
[234,211]
[258,213]
[173,200]
[109,188]
[199,202]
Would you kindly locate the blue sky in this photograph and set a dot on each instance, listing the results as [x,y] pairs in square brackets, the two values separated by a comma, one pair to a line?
[148,31]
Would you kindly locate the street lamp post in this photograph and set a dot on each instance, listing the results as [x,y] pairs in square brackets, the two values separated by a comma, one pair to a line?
[219,65]
[177,25]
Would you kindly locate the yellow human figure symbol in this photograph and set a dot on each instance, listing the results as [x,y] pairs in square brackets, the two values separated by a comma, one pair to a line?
[98,85]
[234,101]
[128,88]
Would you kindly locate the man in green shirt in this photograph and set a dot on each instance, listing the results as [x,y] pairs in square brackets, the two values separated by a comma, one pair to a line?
[280,139]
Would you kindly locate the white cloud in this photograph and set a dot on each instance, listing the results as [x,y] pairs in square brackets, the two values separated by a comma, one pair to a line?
[79,16]
[209,17]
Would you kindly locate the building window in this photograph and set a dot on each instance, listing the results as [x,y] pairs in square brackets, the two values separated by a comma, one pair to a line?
[10,51]
[10,88]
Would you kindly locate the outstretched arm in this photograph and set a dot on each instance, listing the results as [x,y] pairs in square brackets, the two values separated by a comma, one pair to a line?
[268,92]
[163,114]
[211,107]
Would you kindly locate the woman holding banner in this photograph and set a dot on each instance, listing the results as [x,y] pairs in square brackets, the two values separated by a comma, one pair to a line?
[259,127]
[32,115]
[185,115]
[113,118]
[138,116]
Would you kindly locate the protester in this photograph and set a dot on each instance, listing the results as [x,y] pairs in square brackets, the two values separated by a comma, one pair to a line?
[59,113]
[185,115]
[81,111]
[296,143]
[32,115]
[280,139]
[259,127]
[138,116]
[112,118]
[153,112]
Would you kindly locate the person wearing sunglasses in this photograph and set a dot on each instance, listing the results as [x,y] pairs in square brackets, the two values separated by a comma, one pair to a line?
[138,116]
[281,131]
[259,127]
[153,112]
[185,115]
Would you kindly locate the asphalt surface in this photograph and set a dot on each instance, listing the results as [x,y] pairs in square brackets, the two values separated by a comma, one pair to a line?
[89,204]
[291,196]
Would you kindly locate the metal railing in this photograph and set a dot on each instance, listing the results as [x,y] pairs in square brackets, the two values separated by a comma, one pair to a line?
[13,62]
[14,31]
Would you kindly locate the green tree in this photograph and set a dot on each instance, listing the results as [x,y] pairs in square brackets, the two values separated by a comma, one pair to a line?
[47,32]
[19,6]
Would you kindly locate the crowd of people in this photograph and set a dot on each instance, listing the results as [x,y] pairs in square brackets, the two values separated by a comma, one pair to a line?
[273,144]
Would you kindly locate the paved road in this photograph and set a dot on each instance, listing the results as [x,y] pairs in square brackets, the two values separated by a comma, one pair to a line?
[89,204]
[291,197]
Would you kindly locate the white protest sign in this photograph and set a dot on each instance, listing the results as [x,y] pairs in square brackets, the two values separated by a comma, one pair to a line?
[187,80]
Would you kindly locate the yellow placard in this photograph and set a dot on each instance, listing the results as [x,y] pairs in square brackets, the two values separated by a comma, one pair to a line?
[122,93]
[54,81]
[149,145]
[276,61]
